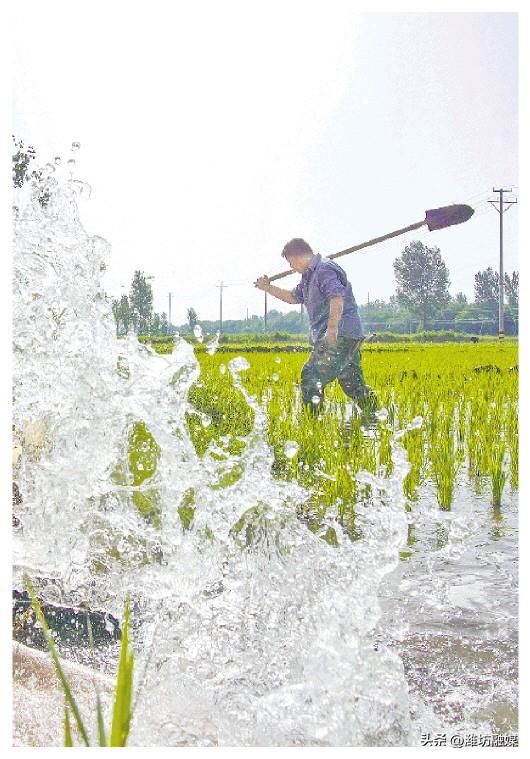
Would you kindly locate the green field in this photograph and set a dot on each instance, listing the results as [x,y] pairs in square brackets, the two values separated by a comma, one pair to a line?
[466,395]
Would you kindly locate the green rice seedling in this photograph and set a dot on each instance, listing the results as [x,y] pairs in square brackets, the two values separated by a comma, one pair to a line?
[449,385]
[478,424]
[221,413]
[445,458]
[512,436]
[411,542]
[384,450]
[461,427]
[139,464]
[122,707]
[498,472]
[414,444]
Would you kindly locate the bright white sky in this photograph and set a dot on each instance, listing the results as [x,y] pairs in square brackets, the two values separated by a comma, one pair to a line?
[214,132]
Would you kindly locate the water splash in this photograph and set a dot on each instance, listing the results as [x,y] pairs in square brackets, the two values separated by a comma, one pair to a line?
[290,449]
[250,628]
[212,346]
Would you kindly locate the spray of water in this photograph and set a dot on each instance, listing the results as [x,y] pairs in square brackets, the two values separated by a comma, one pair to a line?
[250,628]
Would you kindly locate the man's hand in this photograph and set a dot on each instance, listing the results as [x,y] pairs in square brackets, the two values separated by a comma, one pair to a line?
[262,283]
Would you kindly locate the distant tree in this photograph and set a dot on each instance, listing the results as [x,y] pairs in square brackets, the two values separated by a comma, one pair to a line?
[141,303]
[422,280]
[511,288]
[191,316]
[116,312]
[21,161]
[381,312]
[476,318]
[155,327]
[291,321]
[164,324]
[449,311]
[122,314]
[487,288]
[125,314]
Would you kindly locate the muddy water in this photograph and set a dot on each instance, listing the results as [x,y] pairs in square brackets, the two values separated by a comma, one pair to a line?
[450,609]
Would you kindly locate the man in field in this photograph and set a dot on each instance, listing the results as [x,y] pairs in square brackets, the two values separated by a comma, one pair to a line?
[336,331]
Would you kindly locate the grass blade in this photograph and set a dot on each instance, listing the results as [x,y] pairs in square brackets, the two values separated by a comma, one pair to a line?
[55,656]
[68,742]
[101,725]
[122,713]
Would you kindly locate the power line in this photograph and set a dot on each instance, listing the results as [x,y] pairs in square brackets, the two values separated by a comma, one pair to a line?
[473,197]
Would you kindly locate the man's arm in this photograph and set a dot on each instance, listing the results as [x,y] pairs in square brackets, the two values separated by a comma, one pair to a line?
[336,304]
[262,283]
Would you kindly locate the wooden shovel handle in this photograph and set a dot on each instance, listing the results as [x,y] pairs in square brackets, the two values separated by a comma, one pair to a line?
[361,245]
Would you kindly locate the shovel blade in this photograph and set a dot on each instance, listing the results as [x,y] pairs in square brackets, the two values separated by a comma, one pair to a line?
[447,216]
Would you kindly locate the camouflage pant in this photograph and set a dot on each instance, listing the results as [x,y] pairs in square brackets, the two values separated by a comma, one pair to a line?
[342,362]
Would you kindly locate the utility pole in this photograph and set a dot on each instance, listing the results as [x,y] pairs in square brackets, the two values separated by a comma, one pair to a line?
[221,286]
[503,207]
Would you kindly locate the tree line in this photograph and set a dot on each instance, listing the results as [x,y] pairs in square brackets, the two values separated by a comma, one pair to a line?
[422,301]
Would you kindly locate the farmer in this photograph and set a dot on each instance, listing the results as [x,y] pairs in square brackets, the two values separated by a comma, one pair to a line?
[336,331]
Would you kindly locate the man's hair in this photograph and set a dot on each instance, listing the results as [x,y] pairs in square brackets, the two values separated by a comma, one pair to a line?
[297,247]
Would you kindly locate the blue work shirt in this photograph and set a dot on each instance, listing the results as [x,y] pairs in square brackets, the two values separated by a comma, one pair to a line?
[321,281]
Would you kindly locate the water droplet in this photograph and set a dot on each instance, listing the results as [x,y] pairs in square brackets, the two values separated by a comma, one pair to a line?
[222,368]
[57,160]
[238,364]
[290,449]
[83,189]
[110,627]
[275,377]
[315,400]
[278,360]
[75,146]
[367,478]
[382,414]
[213,344]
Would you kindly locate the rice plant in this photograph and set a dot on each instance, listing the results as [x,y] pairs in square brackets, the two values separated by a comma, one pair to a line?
[118,733]
[466,395]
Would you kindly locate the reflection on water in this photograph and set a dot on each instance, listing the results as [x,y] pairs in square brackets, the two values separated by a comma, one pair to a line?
[460,602]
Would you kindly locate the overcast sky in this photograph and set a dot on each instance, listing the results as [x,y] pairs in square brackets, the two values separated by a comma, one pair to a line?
[214,133]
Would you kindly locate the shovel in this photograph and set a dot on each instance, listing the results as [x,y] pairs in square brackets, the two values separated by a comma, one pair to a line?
[437,218]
